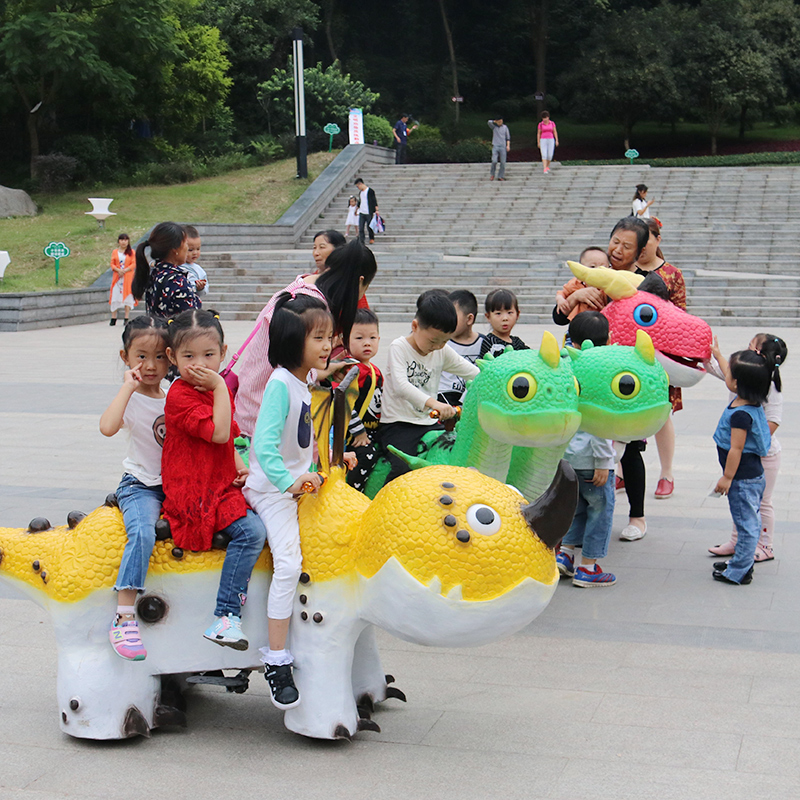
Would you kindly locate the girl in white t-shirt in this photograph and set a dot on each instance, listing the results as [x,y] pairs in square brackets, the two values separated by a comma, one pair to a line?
[774,350]
[281,455]
[640,206]
[138,408]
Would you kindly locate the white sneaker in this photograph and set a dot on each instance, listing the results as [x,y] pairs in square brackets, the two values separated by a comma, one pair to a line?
[630,533]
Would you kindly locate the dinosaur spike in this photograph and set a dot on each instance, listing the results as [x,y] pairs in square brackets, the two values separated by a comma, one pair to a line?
[644,347]
[397,694]
[617,284]
[548,350]
[368,725]
[551,515]
[413,461]
[342,733]
[574,353]
[587,344]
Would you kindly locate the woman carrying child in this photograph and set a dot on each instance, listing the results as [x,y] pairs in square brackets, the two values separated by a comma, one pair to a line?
[166,288]
[348,273]
[280,465]
[138,408]
[123,263]
[203,474]
[743,438]
[774,351]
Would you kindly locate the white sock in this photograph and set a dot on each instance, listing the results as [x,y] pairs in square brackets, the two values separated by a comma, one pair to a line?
[275,658]
[122,610]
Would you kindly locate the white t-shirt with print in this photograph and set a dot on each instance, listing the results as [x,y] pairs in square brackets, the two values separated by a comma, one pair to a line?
[144,423]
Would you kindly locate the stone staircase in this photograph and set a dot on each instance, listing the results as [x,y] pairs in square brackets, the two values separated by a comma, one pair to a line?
[448,226]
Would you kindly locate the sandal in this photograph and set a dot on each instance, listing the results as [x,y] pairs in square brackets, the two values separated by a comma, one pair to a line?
[764,553]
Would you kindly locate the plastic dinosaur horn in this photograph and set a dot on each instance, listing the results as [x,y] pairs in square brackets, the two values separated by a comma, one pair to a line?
[548,350]
[644,347]
[617,284]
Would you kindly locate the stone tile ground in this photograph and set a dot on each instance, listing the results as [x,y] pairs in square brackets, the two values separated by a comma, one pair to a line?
[668,685]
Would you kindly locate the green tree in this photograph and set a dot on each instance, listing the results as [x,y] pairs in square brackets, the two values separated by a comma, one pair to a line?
[258,35]
[728,65]
[626,71]
[329,95]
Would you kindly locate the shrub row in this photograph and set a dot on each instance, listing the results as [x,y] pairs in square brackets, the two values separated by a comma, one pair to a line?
[736,160]
[433,151]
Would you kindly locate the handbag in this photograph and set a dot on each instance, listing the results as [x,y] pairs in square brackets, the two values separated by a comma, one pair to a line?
[228,375]
[377,224]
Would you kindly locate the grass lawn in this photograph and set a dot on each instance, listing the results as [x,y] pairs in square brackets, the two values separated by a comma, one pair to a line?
[259,195]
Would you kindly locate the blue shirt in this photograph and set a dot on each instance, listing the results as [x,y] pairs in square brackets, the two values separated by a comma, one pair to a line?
[753,420]
[401,129]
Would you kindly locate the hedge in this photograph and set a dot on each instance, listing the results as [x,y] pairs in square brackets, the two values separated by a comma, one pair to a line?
[737,160]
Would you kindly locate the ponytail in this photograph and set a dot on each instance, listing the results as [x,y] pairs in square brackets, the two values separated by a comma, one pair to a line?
[164,237]
[774,350]
[340,283]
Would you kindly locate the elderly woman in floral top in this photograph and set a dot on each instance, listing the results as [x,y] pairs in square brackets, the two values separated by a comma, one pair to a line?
[652,260]
[166,287]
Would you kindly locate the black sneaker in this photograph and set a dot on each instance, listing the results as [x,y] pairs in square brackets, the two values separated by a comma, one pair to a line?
[112,322]
[281,686]
[719,576]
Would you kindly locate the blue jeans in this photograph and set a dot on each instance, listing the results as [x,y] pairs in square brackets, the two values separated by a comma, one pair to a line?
[744,500]
[247,541]
[141,508]
[591,525]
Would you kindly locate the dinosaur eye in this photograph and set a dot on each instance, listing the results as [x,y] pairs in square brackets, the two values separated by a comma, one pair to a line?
[577,387]
[625,385]
[645,315]
[521,387]
[483,519]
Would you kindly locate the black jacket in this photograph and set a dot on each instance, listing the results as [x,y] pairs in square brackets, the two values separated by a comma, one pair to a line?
[372,201]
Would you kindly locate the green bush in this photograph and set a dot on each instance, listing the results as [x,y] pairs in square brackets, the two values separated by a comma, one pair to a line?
[425,133]
[470,151]
[267,148]
[378,129]
[170,173]
[737,160]
[96,159]
[428,151]
[54,172]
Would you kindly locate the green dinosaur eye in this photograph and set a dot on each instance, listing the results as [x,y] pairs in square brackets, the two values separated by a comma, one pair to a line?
[625,385]
[521,387]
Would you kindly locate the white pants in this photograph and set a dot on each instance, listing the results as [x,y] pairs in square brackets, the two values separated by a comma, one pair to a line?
[278,512]
[547,147]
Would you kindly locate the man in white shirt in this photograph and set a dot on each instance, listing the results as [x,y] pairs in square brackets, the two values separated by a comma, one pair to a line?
[367,208]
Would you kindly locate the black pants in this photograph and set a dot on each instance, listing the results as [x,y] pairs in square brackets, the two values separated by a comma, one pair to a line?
[400,153]
[404,436]
[633,473]
[364,228]
[367,456]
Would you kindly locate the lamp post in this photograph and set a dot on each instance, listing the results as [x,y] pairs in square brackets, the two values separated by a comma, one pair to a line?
[299,103]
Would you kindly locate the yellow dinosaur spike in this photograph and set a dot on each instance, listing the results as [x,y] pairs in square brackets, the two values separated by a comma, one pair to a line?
[548,350]
[574,353]
[644,347]
[617,284]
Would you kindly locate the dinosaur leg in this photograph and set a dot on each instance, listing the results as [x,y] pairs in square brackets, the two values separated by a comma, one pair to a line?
[323,645]
[370,683]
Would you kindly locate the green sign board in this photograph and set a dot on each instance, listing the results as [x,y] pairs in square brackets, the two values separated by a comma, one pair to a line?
[631,154]
[57,251]
[331,129]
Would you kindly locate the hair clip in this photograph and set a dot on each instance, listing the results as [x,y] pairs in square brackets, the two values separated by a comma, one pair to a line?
[170,321]
[216,316]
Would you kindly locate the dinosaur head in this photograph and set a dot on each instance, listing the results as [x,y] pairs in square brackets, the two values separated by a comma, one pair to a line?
[681,340]
[452,557]
[624,393]
[526,398]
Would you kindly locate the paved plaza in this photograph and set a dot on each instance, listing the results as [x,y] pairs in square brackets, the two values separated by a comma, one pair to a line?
[668,686]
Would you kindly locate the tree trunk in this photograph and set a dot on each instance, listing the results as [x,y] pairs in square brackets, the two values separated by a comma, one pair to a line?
[539,37]
[328,9]
[453,63]
[33,137]
[713,144]
[742,120]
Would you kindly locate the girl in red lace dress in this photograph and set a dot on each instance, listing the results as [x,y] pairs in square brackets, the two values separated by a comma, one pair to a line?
[202,473]
[652,260]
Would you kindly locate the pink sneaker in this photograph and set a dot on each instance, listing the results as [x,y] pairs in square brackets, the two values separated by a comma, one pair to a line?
[126,641]
[726,549]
